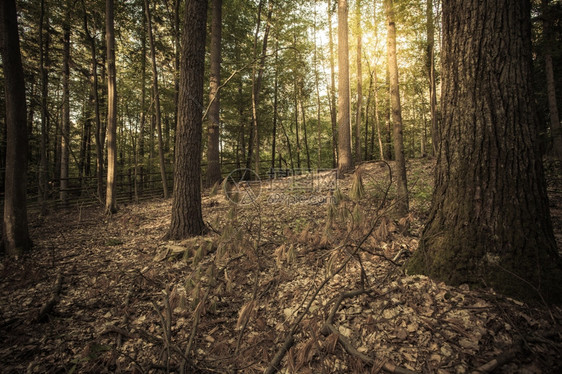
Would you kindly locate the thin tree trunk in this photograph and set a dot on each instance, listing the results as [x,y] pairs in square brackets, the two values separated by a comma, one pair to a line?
[431,75]
[43,71]
[275,104]
[332,90]
[358,118]
[139,151]
[213,151]
[110,202]
[15,229]
[156,93]
[317,86]
[65,126]
[305,133]
[366,153]
[402,203]
[296,98]
[345,160]
[555,127]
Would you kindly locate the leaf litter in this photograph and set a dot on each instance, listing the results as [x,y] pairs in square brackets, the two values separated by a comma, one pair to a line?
[286,286]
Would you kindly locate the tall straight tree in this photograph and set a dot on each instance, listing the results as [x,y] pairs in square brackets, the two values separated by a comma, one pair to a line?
[402,184]
[345,160]
[431,75]
[555,127]
[213,153]
[65,126]
[156,94]
[489,223]
[110,203]
[187,218]
[332,89]
[15,230]
[358,113]
[43,71]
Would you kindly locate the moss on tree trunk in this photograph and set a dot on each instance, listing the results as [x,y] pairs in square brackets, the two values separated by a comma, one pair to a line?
[489,224]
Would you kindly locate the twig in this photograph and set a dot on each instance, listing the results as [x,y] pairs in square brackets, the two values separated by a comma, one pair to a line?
[194,327]
[53,300]
[387,366]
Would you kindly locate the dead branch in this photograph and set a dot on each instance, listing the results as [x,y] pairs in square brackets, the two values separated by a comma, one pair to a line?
[501,360]
[329,328]
[53,300]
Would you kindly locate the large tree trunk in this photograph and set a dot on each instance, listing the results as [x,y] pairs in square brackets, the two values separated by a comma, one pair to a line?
[489,223]
[156,93]
[213,153]
[110,203]
[65,126]
[187,219]
[15,230]
[402,198]
[345,160]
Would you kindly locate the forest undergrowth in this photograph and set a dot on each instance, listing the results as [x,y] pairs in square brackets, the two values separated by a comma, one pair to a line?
[290,279]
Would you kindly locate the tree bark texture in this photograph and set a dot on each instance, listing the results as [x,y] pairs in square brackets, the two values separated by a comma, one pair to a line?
[15,229]
[110,203]
[213,135]
[401,181]
[345,160]
[187,219]
[489,223]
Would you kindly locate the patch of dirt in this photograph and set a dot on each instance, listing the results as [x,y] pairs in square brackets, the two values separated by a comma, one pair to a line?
[303,277]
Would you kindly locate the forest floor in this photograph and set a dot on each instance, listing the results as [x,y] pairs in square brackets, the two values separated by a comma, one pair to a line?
[301,279]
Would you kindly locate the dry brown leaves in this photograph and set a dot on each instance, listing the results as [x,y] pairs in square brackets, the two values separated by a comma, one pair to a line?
[125,290]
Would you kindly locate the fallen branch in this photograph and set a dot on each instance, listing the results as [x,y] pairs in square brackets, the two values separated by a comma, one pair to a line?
[349,348]
[501,360]
[53,300]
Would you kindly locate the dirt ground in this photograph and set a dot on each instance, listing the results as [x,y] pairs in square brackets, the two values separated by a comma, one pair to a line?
[299,276]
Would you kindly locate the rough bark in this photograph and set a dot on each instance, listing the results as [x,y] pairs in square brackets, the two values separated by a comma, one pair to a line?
[187,219]
[345,160]
[489,224]
[401,182]
[156,93]
[110,203]
[15,229]
[213,153]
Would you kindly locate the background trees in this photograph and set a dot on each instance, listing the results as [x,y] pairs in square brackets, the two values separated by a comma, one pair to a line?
[279,71]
